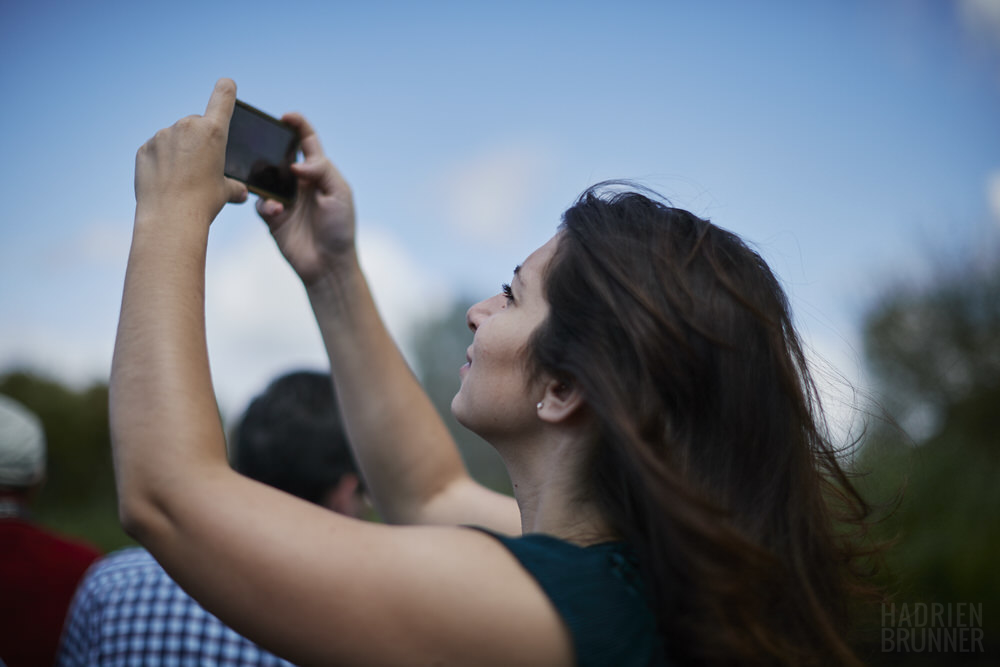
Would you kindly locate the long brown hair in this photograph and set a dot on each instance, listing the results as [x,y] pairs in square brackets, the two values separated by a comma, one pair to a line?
[712,460]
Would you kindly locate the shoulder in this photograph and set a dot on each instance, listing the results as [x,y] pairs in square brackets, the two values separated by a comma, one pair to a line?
[77,550]
[48,546]
[562,568]
[445,595]
[485,596]
[111,578]
[124,565]
[599,595]
[95,600]
[441,594]
[128,597]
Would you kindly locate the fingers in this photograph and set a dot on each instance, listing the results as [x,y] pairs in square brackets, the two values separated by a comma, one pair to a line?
[221,103]
[313,171]
[315,167]
[319,173]
[311,146]
[269,209]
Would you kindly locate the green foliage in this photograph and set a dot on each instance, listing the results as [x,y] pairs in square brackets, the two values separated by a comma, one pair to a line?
[935,352]
[78,497]
[936,347]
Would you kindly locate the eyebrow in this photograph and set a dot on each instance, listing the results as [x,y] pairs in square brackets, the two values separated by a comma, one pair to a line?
[517,271]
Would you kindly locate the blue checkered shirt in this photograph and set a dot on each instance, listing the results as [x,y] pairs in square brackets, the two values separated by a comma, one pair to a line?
[128,612]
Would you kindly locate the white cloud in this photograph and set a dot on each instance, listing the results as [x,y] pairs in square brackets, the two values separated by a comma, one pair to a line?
[98,244]
[105,244]
[840,381]
[260,323]
[993,194]
[62,354]
[61,320]
[489,195]
[836,367]
[982,19]
[408,292]
[258,319]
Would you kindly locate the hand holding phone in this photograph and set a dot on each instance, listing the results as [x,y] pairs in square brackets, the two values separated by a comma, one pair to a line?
[185,162]
[260,151]
[316,235]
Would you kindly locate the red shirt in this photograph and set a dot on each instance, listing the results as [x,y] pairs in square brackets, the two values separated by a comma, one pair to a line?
[39,572]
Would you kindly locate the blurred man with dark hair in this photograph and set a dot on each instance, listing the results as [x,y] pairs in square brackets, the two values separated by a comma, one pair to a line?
[129,611]
[38,570]
[291,438]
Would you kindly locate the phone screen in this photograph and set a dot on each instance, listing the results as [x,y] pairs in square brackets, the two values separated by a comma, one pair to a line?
[259,151]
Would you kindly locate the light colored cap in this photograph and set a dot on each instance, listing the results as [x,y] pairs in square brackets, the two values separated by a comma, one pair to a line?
[22,445]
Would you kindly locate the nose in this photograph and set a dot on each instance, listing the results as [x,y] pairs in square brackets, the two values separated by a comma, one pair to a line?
[480,311]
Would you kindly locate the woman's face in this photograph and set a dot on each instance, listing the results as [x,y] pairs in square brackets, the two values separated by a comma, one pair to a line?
[497,398]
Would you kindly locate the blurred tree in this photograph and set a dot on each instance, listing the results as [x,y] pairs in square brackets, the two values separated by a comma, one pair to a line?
[440,351]
[78,497]
[934,350]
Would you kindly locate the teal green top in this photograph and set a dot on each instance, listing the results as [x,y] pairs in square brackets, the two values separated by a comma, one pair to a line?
[599,595]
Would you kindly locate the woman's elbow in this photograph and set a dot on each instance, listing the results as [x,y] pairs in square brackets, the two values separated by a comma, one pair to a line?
[139,517]
[142,512]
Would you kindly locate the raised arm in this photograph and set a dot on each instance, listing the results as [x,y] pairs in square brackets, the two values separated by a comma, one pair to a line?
[409,460]
[160,381]
[304,582]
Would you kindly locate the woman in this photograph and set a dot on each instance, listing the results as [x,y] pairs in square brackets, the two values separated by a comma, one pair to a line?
[639,375]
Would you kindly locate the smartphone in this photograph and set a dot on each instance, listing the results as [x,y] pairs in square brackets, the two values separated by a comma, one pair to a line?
[260,151]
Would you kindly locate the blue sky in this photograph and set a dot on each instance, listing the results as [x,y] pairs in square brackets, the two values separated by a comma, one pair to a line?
[846,139]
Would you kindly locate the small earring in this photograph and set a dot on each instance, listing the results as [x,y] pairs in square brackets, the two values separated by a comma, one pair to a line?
[540,404]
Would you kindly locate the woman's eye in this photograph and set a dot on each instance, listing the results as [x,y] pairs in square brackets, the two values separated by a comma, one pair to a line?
[507,292]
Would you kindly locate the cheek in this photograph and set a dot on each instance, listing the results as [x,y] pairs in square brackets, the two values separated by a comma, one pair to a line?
[497,344]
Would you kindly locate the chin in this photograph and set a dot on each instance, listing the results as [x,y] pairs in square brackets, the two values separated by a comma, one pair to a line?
[456,408]
[460,411]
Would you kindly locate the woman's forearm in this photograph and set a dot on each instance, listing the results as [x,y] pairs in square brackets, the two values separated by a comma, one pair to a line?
[164,421]
[404,449]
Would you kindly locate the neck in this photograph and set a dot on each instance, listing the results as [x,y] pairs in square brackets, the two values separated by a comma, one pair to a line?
[546,474]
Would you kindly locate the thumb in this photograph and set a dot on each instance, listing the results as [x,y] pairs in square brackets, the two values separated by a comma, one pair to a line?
[236,192]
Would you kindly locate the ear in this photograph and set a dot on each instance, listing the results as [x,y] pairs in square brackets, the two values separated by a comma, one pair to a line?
[560,402]
[342,498]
